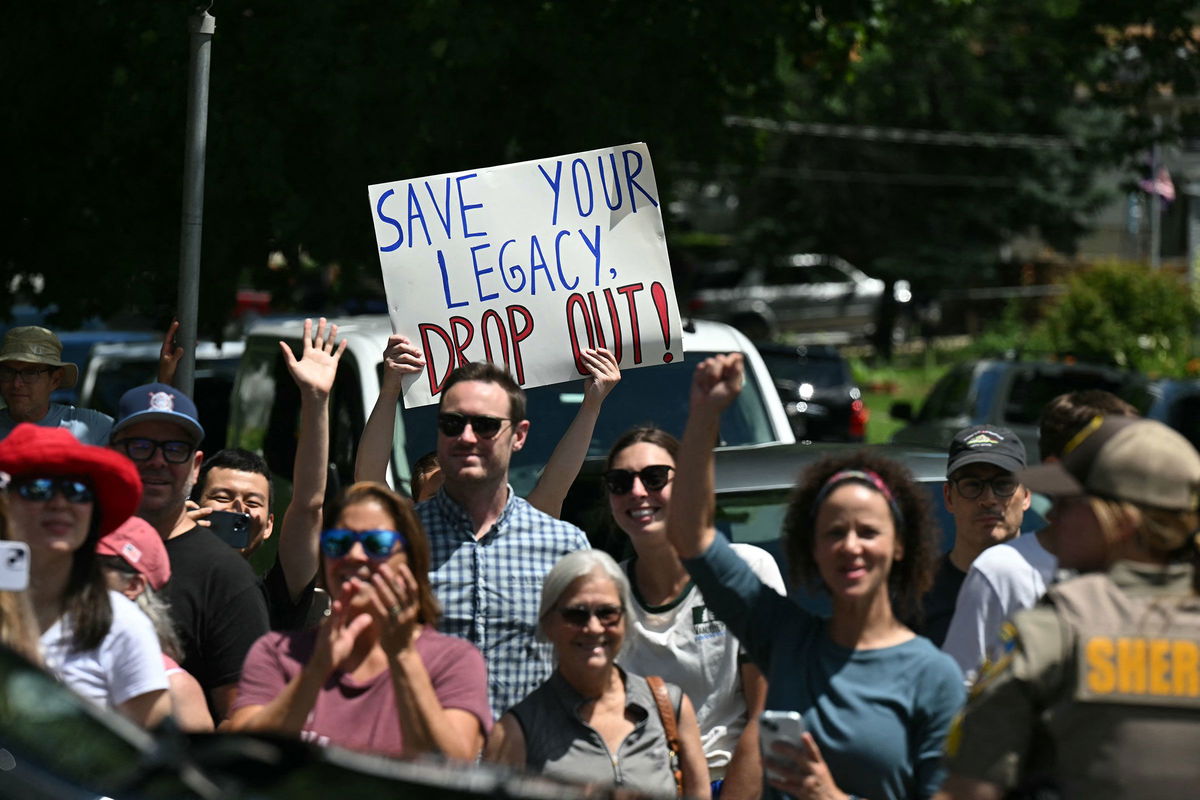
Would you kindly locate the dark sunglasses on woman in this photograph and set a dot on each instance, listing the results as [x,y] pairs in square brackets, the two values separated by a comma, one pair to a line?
[579,616]
[377,544]
[41,490]
[653,477]
[485,427]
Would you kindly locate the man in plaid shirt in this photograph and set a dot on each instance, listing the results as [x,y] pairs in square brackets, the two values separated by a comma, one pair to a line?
[490,548]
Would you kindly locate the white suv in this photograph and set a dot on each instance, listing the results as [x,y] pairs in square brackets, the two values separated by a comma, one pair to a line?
[265,406]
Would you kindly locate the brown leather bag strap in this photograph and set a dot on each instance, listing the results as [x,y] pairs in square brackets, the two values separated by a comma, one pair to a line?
[662,698]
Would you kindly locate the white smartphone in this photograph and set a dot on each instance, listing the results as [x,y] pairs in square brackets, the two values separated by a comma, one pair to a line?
[779,726]
[14,566]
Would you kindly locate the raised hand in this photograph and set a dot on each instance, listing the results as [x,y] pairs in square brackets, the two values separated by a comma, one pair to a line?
[395,600]
[314,371]
[605,374]
[170,355]
[717,382]
[401,357]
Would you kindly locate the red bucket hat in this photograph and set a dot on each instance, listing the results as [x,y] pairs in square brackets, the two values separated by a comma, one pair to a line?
[33,450]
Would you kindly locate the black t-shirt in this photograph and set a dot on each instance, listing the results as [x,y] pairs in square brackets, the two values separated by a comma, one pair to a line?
[938,603]
[284,614]
[216,604]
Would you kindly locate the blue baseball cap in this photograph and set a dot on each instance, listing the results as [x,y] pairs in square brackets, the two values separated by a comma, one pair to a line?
[158,401]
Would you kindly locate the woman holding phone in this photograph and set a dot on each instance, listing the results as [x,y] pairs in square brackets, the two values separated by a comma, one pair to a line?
[63,497]
[877,699]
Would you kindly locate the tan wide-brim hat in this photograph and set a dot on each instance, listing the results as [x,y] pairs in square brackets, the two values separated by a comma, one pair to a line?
[31,344]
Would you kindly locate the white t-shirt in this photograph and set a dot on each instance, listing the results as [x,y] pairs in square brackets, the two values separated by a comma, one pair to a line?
[683,643]
[1003,580]
[127,663]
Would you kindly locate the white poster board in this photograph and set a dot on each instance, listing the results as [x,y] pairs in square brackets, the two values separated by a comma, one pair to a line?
[527,264]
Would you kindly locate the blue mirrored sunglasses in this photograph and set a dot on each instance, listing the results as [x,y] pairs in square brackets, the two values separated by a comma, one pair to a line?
[377,544]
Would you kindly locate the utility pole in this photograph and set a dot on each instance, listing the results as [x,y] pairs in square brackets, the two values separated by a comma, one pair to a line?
[202,26]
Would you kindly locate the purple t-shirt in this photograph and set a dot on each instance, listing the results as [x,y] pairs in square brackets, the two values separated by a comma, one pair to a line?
[363,716]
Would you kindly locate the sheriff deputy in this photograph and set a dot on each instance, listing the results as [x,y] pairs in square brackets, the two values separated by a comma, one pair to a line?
[1107,667]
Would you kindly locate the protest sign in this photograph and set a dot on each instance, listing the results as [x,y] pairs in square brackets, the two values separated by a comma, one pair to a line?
[527,264]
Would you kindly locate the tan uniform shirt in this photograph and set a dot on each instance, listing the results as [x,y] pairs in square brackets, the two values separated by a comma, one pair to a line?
[1102,681]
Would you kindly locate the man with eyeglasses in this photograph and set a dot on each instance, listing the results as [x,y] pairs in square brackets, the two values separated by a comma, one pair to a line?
[215,601]
[987,501]
[490,548]
[31,368]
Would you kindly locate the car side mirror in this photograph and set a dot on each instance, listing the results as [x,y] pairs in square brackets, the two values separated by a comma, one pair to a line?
[901,411]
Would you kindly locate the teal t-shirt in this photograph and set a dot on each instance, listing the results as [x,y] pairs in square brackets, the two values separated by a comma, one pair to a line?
[879,716]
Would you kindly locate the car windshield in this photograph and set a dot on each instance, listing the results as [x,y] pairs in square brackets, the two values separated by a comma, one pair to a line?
[1033,388]
[648,396]
[817,371]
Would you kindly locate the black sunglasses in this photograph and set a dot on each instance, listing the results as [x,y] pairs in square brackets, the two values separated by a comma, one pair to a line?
[139,449]
[653,477]
[485,427]
[377,544]
[1002,486]
[580,615]
[41,490]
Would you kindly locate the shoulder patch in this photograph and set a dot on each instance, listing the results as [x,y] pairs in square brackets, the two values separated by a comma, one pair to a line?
[992,669]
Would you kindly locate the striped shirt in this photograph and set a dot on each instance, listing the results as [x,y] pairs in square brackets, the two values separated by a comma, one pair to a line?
[489,589]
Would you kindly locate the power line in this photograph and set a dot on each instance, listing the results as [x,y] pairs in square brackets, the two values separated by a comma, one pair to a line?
[873,133]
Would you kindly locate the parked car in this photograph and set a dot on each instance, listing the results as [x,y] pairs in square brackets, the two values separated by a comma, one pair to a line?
[1008,393]
[115,368]
[801,293]
[1177,403]
[818,391]
[266,406]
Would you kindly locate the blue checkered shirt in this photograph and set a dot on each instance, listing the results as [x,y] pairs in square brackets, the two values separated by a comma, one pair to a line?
[490,589]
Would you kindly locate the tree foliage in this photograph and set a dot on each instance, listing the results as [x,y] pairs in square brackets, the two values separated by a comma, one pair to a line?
[312,102]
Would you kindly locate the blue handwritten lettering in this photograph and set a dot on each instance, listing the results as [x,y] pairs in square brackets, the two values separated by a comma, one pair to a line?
[555,183]
[441,257]
[630,175]
[612,157]
[415,212]
[444,219]
[463,207]
[575,165]
[594,248]
[515,271]
[559,263]
[478,272]
[537,261]
[394,223]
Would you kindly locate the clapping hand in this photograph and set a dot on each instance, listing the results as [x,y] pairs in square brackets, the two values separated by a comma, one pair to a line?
[169,355]
[396,603]
[338,633]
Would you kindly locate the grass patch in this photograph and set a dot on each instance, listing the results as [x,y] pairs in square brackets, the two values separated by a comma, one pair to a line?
[902,381]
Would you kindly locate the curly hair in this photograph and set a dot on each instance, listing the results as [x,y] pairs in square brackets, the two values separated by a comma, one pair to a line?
[911,576]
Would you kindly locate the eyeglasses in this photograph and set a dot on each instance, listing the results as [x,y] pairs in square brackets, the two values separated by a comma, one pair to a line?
[485,427]
[27,375]
[174,452]
[653,477]
[579,616]
[1001,486]
[41,490]
[377,544]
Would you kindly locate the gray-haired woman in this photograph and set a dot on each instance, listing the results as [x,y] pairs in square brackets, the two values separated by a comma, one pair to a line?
[591,721]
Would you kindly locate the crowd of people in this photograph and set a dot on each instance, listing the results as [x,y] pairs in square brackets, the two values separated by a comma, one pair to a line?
[458,620]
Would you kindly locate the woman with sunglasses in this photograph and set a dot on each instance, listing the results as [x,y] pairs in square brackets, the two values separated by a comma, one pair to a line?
[876,699]
[670,631]
[375,676]
[593,722]
[63,497]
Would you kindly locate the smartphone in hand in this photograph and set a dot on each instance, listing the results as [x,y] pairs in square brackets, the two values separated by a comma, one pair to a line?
[14,566]
[232,527]
[778,726]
